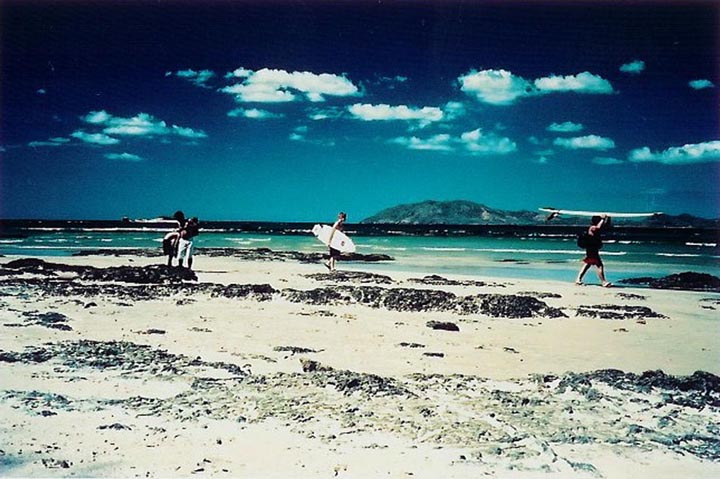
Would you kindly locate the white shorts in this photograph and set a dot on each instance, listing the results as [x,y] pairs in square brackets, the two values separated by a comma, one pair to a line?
[185,249]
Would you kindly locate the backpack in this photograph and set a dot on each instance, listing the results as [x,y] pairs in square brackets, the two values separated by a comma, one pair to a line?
[584,239]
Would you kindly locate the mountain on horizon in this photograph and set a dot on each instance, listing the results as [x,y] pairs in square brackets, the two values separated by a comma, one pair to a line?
[463,212]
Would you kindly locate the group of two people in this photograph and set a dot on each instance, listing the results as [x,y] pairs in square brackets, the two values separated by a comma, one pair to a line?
[179,242]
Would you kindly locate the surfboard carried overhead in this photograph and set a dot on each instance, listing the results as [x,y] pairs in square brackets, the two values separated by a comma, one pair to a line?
[340,241]
[612,214]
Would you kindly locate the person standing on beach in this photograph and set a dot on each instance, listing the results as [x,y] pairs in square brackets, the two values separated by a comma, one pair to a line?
[185,245]
[171,240]
[593,244]
[334,254]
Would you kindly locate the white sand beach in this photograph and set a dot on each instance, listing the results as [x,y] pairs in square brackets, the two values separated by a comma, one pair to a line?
[336,376]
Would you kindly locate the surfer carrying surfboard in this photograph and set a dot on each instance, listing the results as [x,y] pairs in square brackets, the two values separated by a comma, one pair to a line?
[592,242]
[334,253]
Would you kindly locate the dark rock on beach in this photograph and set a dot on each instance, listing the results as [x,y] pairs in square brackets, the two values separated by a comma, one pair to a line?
[684,281]
[435,280]
[698,390]
[508,306]
[50,320]
[351,277]
[114,355]
[350,382]
[609,311]
[442,325]
[294,349]
[152,274]
[426,300]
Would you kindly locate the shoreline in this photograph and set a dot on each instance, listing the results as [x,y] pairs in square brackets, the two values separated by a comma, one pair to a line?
[356,374]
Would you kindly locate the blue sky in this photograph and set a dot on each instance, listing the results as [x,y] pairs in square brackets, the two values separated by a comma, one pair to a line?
[292,111]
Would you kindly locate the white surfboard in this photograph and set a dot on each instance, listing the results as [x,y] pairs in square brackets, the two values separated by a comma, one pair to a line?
[340,241]
[598,213]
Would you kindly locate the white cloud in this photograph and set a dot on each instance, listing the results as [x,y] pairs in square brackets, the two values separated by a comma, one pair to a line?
[272,86]
[589,142]
[253,113]
[634,67]
[142,124]
[453,110]
[50,142]
[501,87]
[317,114]
[473,142]
[41,91]
[424,116]
[197,78]
[679,155]
[123,157]
[701,84]
[497,87]
[565,127]
[584,82]
[606,161]
[441,142]
[239,73]
[478,143]
[97,117]
[95,138]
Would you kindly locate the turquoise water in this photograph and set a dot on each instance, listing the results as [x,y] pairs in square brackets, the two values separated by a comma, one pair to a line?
[553,257]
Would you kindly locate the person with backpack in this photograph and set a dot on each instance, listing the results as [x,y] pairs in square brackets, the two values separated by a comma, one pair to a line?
[171,240]
[592,242]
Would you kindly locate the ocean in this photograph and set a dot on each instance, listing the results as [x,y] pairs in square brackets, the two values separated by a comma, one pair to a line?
[495,251]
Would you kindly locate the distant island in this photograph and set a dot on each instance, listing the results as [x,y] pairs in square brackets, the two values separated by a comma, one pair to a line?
[462,212]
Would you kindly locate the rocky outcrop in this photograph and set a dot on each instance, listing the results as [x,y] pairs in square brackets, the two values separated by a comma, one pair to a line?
[349,382]
[351,277]
[435,280]
[685,281]
[609,311]
[153,274]
[426,300]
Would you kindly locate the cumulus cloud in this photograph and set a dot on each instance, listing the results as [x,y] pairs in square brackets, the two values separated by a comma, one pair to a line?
[197,78]
[253,114]
[441,142]
[589,142]
[701,84]
[50,142]
[497,87]
[123,157]
[501,87]
[634,67]
[679,155]
[142,124]
[565,127]
[584,82]
[478,143]
[273,86]
[424,116]
[606,161]
[473,142]
[95,138]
